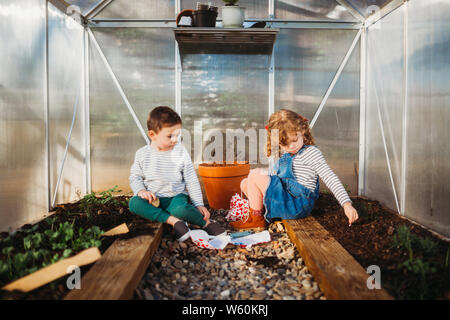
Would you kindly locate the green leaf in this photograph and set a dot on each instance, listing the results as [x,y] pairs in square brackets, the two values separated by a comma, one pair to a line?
[67,253]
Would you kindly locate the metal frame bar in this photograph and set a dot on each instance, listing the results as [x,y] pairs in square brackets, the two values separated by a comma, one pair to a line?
[119,87]
[271,106]
[47,113]
[362,114]
[178,68]
[384,11]
[351,10]
[171,23]
[336,77]
[405,109]
[385,147]
[69,136]
[86,114]
[62,6]
[97,9]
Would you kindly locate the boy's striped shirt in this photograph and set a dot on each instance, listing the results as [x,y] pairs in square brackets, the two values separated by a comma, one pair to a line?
[165,173]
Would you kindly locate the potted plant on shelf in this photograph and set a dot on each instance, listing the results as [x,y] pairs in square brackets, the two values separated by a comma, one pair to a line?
[233,16]
[222,181]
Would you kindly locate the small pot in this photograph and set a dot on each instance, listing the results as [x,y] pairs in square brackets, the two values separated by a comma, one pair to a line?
[233,16]
[222,182]
[204,18]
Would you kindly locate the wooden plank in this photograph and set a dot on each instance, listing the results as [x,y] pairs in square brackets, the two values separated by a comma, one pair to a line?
[116,275]
[338,274]
[53,271]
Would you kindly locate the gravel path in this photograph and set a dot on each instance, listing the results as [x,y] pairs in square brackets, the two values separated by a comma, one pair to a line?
[271,270]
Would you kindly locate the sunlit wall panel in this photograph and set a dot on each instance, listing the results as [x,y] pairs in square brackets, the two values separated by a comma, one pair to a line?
[384,111]
[66,97]
[305,64]
[138,9]
[428,115]
[23,179]
[226,92]
[311,10]
[143,62]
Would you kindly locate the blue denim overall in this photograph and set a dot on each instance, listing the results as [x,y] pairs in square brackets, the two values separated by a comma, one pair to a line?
[286,198]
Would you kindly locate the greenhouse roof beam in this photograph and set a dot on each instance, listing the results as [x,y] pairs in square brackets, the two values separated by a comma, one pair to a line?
[351,10]
[69,10]
[171,23]
[385,10]
[98,8]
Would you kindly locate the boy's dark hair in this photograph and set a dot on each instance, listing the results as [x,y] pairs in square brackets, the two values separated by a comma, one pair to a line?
[161,117]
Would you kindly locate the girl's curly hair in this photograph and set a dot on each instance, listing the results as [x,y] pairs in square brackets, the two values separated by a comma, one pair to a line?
[287,122]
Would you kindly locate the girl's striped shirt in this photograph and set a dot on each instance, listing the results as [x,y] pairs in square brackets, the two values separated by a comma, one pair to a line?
[310,164]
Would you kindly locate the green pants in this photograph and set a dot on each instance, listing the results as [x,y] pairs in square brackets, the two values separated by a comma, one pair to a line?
[177,206]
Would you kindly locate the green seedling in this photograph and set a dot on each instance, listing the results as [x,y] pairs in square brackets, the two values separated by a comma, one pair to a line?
[102,198]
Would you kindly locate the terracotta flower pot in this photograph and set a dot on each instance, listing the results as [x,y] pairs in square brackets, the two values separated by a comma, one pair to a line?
[222,181]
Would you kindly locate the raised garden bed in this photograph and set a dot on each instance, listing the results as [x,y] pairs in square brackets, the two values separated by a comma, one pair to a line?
[414,262]
[64,234]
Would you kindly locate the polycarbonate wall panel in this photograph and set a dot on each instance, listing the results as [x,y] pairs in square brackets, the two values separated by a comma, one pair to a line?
[384,109]
[23,180]
[428,115]
[305,64]
[139,9]
[143,62]
[255,9]
[311,10]
[226,92]
[66,97]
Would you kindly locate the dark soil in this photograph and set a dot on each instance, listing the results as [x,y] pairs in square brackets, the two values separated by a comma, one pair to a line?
[370,241]
[105,217]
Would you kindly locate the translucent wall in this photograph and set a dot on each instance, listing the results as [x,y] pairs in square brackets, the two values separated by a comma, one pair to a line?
[384,111]
[138,9]
[428,87]
[407,116]
[305,64]
[23,178]
[311,10]
[226,92]
[143,61]
[66,101]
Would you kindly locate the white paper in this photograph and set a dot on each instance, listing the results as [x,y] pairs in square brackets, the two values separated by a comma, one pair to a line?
[255,238]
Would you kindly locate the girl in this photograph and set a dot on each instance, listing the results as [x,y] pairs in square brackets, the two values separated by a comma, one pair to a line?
[291,187]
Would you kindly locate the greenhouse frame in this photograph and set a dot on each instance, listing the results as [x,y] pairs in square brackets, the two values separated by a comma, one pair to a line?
[78,79]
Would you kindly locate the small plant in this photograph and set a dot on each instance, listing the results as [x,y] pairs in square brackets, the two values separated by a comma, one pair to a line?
[89,201]
[402,240]
[230,2]
[44,248]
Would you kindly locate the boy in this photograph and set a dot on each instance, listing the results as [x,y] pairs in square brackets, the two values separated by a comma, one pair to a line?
[164,170]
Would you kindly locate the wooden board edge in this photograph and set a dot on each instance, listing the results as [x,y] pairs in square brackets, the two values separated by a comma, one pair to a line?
[140,270]
[324,283]
[128,289]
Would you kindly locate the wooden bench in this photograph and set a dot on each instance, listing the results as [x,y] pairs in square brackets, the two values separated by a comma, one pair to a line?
[338,274]
[120,269]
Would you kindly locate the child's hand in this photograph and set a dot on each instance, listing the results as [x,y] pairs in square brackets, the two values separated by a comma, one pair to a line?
[148,195]
[351,213]
[204,212]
